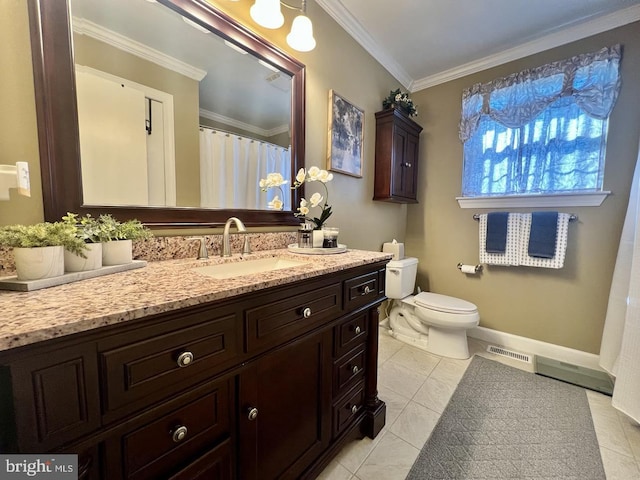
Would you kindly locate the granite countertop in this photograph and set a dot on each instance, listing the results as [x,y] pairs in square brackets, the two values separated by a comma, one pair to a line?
[30,317]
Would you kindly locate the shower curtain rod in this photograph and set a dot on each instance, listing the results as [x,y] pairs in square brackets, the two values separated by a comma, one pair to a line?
[572,217]
[227,133]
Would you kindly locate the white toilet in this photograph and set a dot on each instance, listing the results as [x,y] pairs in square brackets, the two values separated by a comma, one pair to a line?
[430,321]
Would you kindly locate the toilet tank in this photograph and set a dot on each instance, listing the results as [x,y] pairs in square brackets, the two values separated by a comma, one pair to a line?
[400,279]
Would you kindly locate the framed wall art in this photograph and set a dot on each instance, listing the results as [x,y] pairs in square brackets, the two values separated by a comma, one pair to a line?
[346,135]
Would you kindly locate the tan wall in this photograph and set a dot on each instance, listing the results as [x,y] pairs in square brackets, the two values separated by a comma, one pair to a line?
[564,307]
[18,131]
[338,62]
[101,56]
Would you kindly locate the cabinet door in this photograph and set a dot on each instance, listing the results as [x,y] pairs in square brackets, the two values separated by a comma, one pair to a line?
[410,169]
[405,163]
[285,409]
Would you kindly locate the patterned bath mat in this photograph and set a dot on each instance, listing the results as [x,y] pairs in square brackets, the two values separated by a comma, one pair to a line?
[504,423]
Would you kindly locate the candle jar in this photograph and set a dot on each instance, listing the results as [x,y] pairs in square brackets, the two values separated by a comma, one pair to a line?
[330,237]
[305,236]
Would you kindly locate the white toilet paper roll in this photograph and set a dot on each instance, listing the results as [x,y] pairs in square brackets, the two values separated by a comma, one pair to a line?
[468,268]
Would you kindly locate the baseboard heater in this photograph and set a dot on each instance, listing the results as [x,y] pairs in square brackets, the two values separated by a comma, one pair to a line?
[574,374]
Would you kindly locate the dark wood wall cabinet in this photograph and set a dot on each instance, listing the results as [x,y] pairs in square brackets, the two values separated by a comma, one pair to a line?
[397,144]
[257,387]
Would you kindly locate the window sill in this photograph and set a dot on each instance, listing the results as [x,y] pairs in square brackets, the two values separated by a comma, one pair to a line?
[594,199]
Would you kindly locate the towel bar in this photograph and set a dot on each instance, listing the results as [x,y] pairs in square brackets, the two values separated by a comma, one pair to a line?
[572,217]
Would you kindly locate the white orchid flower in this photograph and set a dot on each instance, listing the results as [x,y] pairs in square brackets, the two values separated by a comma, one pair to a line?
[325,176]
[313,173]
[398,97]
[316,199]
[303,209]
[300,176]
[263,183]
[275,180]
[276,203]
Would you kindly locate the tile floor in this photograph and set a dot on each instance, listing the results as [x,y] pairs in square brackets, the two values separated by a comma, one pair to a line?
[416,387]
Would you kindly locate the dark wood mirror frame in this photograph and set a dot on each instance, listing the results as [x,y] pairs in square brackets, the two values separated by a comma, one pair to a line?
[57,118]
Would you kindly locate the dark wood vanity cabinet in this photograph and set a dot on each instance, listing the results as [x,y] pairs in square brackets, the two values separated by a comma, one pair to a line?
[396,160]
[260,386]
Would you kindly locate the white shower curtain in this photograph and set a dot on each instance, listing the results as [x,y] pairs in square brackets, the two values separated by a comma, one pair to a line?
[620,348]
[231,167]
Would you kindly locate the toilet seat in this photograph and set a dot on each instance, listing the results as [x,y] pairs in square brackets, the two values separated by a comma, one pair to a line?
[444,303]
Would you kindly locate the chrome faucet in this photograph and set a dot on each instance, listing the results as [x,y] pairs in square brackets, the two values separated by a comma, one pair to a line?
[226,246]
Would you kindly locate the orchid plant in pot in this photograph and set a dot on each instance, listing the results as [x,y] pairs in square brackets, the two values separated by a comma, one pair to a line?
[317,200]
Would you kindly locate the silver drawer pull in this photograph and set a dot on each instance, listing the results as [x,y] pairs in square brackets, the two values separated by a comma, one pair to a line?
[179,434]
[252,413]
[355,369]
[354,409]
[185,359]
[306,313]
[366,290]
[357,330]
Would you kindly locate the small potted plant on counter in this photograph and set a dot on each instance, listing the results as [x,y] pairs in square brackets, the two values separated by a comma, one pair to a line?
[90,231]
[39,249]
[117,248]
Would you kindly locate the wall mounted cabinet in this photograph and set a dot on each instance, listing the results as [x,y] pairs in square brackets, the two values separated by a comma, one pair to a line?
[397,145]
[261,386]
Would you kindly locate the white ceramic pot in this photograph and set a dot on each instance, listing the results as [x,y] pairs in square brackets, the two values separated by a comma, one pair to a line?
[117,252]
[75,263]
[39,262]
[318,238]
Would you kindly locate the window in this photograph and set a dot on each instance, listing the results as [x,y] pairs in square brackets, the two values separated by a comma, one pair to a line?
[541,131]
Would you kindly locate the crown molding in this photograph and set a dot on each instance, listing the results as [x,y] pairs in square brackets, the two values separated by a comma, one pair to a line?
[567,35]
[348,22]
[241,125]
[87,27]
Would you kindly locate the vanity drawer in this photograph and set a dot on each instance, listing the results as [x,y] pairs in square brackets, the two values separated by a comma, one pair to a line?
[347,370]
[213,465]
[349,334]
[281,320]
[362,290]
[347,408]
[151,369]
[152,446]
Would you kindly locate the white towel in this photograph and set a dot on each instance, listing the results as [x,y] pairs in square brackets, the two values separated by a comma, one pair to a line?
[511,256]
[561,243]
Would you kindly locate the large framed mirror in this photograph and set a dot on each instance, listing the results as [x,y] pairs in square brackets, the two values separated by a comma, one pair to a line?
[82,50]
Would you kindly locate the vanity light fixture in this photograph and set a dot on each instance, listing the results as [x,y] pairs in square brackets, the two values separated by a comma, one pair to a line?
[267,13]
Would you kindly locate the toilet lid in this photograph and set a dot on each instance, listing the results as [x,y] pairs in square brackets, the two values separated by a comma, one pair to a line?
[443,303]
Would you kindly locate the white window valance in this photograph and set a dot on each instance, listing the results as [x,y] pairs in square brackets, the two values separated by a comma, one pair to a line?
[592,79]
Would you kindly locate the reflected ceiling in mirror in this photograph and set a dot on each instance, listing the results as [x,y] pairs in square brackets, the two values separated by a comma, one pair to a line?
[60,138]
[141,66]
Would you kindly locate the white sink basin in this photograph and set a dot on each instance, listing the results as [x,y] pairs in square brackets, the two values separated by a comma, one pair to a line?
[248,267]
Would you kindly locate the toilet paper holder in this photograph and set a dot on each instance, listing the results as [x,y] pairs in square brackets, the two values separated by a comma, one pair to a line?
[477,268]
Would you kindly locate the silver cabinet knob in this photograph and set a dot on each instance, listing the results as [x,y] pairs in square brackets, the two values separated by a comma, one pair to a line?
[306,313]
[185,359]
[354,409]
[367,290]
[252,413]
[355,369]
[179,434]
[357,330]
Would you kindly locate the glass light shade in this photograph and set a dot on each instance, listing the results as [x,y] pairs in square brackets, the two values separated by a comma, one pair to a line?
[301,36]
[267,13]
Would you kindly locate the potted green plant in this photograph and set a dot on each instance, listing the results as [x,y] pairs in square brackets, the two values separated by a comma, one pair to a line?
[39,249]
[90,231]
[117,247]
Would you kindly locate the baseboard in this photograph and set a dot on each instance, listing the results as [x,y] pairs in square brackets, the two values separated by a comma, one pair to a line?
[536,347]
